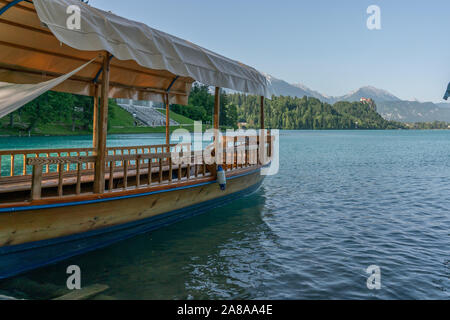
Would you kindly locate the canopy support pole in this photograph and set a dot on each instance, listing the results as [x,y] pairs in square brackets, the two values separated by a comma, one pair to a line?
[100,151]
[95,119]
[217,121]
[262,113]
[262,140]
[216,108]
[166,97]
[167,121]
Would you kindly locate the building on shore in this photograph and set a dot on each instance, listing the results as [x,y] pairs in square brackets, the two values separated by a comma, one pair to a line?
[370,102]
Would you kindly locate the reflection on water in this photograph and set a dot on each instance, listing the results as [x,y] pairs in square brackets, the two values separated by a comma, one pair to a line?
[343,200]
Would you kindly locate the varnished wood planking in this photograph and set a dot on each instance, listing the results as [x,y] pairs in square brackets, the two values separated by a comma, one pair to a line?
[35,225]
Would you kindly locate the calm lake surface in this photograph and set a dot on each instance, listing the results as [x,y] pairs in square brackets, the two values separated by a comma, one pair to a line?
[342,201]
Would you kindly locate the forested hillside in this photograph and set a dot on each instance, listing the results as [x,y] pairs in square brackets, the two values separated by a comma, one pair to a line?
[283,112]
[51,111]
[309,113]
[59,113]
[56,113]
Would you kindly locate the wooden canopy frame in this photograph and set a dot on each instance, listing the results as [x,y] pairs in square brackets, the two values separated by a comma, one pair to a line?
[29,52]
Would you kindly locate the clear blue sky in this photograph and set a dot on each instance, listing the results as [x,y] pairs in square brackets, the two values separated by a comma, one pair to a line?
[323,44]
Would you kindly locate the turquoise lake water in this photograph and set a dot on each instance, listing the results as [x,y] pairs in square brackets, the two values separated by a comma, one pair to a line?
[342,201]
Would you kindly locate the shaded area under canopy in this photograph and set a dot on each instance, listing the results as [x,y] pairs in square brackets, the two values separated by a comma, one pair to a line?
[36,46]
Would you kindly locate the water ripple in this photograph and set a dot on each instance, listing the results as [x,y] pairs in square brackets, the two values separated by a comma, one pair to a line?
[341,202]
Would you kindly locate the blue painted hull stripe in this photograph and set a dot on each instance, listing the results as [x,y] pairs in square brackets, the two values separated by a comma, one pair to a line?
[70,204]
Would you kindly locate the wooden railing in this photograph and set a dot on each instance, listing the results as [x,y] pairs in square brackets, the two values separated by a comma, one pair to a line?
[38,165]
[135,167]
[13,163]
[156,168]
[249,150]
[158,163]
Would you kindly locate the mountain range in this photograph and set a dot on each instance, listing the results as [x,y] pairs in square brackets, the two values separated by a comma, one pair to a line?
[388,105]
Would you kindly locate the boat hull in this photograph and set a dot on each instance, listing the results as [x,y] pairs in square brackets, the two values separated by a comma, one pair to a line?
[30,239]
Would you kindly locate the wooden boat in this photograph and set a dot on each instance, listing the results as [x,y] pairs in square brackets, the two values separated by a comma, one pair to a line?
[57,203]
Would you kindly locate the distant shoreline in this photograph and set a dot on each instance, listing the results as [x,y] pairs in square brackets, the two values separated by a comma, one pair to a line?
[123,130]
[162,130]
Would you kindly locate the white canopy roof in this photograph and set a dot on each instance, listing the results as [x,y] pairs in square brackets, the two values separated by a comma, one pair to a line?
[36,45]
[13,96]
